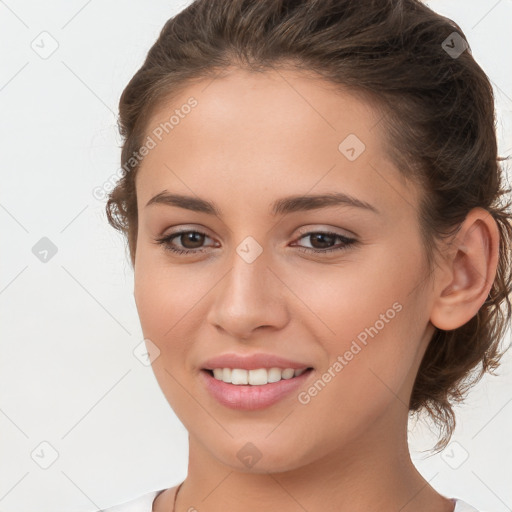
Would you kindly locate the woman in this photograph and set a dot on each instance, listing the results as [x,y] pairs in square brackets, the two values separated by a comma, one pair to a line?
[312,203]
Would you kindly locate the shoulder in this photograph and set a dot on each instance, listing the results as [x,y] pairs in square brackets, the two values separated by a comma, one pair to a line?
[143,503]
[462,506]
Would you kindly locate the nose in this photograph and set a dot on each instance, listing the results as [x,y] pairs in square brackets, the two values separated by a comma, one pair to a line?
[250,296]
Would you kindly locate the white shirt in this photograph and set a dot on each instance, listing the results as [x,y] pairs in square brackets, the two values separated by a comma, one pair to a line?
[144,503]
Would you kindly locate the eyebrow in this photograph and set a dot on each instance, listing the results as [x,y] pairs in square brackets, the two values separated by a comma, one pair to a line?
[281,206]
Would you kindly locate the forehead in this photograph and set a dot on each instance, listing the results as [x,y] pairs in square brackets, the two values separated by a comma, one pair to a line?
[253,133]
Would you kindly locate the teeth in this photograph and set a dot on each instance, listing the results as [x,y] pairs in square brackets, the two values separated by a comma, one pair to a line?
[258,377]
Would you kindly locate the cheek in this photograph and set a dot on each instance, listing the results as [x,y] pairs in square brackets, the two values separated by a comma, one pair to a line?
[163,294]
[162,311]
[152,302]
[369,317]
[168,300]
[346,300]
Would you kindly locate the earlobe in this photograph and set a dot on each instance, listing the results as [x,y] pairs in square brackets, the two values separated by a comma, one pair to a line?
[468,274]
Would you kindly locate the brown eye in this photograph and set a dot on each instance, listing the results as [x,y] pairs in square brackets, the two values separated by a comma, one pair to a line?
[190,240]
[321,242]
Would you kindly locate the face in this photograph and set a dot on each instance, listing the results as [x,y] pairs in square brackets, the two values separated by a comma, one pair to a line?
[337,287]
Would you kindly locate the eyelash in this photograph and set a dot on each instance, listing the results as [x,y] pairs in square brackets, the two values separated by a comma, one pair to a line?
[166,242]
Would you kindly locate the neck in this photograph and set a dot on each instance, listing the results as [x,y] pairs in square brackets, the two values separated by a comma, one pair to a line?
[372,471]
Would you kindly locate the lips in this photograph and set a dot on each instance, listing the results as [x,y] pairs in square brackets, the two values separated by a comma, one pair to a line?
[249,397]
[252,362]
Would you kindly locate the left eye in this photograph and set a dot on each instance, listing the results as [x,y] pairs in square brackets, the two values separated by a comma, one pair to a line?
[196,239]
[322,236]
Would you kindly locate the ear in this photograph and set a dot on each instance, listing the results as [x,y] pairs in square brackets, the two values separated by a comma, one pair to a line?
[468,271]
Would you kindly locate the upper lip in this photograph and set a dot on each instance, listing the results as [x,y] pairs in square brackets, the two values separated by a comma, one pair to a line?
[251,362]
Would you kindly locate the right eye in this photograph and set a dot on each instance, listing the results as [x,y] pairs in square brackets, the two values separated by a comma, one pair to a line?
[193,237]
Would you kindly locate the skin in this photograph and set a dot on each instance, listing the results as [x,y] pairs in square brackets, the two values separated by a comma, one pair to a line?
[254,138]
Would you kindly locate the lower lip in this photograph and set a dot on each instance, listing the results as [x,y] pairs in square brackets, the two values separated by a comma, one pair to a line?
[247,397]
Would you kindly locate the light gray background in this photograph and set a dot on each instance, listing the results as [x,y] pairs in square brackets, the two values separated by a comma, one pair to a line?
[69,326]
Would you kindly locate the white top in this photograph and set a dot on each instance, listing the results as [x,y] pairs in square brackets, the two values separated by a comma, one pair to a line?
[144,503]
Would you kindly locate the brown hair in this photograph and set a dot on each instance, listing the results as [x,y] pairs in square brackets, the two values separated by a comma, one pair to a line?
[438,118]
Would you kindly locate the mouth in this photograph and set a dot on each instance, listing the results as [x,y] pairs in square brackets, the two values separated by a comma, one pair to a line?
[243,395]
[256,377]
